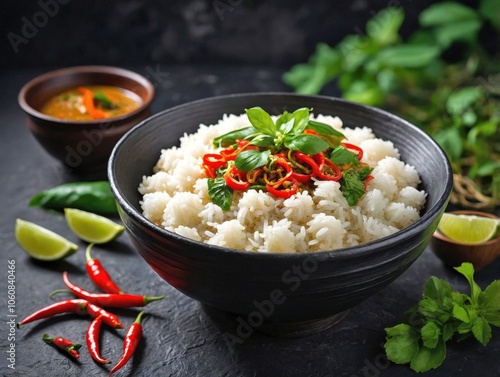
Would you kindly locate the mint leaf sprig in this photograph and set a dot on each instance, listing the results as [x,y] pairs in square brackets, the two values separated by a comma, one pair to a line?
[443,315]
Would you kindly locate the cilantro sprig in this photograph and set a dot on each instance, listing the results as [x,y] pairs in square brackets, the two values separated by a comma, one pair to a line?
[443,315]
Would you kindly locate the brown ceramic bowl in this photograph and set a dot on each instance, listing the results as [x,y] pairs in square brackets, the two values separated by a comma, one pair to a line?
[82,145]
[454,253]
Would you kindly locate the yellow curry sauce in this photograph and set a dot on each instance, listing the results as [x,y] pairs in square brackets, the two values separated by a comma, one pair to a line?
[91,102]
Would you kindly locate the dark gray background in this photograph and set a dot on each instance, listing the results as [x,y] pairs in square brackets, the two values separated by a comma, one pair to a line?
[269,33]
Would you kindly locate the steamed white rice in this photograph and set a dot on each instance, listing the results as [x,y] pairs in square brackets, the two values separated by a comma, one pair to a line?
[176,198]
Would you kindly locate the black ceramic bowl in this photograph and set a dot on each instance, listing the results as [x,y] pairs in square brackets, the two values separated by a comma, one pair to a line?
[281,293]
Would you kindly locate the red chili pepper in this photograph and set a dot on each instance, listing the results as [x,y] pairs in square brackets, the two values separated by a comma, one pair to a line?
[210,172]
[234,179]
[326,166]
[130,343]
[229,154]
[77,306]
[88,102]
[242,143]
[302,178]
[282,163]
[64,344]
[356,148]
[123,300]
[213,160]
[305,159]
[310,132]
[108,318]
[252,175]
[285,192]
[67,306]
[92,338]
[367,180]
[99,275]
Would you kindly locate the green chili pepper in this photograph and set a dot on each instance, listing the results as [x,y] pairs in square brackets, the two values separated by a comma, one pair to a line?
[88,196]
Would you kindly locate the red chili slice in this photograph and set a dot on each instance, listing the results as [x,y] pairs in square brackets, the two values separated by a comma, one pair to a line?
[280,162]
[367,180]
[284,193]
[310,132]
[305,159]
[229,154]
[210,172]
[252,175]
[325,165]
[302,178]
[214,160]
[234,179]
[356,148]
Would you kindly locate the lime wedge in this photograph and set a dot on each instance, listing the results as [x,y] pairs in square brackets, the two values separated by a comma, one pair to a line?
[91,227]
[41,243]
[468,228]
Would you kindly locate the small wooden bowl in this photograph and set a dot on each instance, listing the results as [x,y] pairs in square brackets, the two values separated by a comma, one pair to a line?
[454,253]
[82,146]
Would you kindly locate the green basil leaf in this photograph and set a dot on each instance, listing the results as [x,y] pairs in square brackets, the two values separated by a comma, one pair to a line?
[367,92]
[249,160]
[263,140]
[451,141]
[467,30]
[231,137]
[220,193]
[446,13]
[285,122]
[323,129]
[342,155]
[490,9]
[301,117]
[384,26]
[308,144]
[459,101]
[105,101]
[261,120]
[408,56]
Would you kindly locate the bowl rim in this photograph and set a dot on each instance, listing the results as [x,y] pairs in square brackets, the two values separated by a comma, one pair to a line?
[344,253]
[437,234]
[103,69]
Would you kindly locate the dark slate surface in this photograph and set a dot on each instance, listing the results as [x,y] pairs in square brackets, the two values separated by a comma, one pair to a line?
[180,339]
